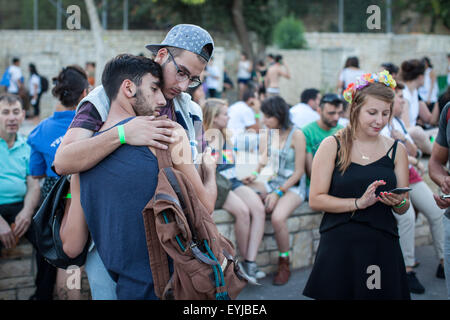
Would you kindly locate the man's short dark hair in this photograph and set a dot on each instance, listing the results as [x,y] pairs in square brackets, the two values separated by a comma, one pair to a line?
[248,94]
[127,66]
[332,99]
[309,94]
[10,99]
[392,68]
[15,60]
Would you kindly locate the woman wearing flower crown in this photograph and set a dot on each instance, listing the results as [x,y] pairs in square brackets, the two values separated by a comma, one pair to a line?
[359,255]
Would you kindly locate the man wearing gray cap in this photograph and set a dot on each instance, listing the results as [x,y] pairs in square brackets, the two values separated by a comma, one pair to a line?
[183,55]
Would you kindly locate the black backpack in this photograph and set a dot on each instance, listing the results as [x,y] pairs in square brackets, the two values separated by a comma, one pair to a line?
[46,224]
[44,84]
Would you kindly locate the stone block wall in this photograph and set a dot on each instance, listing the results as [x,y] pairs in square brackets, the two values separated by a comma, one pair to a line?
[317,66]
[18,272]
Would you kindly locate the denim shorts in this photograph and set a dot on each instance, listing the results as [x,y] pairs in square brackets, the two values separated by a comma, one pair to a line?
[235,183]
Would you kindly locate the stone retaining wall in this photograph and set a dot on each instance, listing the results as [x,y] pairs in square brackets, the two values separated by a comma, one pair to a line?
[318,66]
[17,269]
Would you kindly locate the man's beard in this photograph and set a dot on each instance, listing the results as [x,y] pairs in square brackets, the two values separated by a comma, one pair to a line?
[329,124]
[141,107]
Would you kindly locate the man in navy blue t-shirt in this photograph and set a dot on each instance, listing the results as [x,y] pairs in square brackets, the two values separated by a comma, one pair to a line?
[114,193]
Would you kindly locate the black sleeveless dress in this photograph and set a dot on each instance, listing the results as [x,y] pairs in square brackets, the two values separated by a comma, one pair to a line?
[359,254]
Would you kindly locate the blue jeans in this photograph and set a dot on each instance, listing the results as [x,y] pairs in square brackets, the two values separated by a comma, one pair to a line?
[102,285]
[447,252]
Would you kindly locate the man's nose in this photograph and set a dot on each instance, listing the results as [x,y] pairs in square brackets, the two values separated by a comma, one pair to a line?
[183,85]
[161,101]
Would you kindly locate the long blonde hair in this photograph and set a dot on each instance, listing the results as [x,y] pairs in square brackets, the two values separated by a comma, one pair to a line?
[347,135]
[211,108]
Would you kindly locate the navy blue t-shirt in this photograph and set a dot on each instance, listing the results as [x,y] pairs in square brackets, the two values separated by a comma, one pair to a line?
[113,195]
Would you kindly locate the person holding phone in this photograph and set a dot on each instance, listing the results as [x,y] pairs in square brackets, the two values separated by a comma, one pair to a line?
[359,254]
[440,175]
[421,198]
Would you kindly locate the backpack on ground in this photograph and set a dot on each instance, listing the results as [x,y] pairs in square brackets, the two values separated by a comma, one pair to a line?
[177,224]
[44,84]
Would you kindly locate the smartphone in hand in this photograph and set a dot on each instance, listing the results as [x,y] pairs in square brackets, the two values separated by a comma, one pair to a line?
[399,190]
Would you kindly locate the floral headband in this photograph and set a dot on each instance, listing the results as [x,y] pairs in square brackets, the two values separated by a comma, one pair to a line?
[365,79]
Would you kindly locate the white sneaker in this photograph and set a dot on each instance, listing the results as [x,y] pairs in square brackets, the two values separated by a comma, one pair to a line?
[253,271]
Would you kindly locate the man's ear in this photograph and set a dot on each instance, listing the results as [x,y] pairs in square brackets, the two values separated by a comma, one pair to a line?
[161,56]
[128,88]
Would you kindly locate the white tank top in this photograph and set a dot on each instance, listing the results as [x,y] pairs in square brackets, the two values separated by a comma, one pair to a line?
[425,89]
[413,101]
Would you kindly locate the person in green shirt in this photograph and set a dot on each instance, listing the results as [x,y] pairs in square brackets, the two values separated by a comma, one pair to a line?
[330,109]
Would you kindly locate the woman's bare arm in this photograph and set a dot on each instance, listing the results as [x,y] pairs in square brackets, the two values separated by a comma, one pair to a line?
[299,142]
[321,173]
[74,231]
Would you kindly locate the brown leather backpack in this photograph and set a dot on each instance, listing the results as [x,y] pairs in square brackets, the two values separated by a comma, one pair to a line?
[177,224]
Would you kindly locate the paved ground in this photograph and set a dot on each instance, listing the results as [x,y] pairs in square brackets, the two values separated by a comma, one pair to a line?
[435,288]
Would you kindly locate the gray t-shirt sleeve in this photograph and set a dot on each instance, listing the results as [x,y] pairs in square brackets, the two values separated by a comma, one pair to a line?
[441,138]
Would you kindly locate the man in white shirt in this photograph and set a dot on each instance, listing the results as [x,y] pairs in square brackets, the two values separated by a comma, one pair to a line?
[212,77]
[305,112]
[244,116]
[15,80]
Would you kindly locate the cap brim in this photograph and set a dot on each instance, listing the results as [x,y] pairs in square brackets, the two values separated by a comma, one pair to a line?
[154,48]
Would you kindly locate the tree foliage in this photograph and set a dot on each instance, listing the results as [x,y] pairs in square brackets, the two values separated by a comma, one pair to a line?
[289,33]
[261,16]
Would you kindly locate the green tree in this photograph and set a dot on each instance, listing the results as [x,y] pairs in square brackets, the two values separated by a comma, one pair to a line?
[289,33]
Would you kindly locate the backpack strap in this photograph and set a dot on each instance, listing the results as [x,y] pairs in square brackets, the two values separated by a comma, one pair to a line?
[159,263]
[196,239]
[164,158]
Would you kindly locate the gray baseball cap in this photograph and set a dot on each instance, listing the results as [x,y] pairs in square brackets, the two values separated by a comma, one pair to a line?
[188,37]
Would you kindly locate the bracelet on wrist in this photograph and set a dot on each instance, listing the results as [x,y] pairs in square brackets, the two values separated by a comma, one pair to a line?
[121,132]
[279,192]
[255,173]
[401,204]
[257,115]
[356,204]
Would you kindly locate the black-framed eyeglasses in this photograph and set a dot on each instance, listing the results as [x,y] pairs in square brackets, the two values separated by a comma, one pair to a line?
[182,76]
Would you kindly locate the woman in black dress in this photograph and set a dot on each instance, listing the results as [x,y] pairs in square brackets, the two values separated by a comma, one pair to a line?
[359,255]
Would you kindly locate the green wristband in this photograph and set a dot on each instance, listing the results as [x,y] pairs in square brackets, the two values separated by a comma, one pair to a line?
[121,134]
[255,173]
[257,115]
[401,204]
[69,196]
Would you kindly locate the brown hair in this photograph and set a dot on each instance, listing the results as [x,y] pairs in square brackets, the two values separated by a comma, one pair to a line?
[347,135]
[412,69]
[211,108]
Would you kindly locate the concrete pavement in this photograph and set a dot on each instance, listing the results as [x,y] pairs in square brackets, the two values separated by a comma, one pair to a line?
[435,289]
